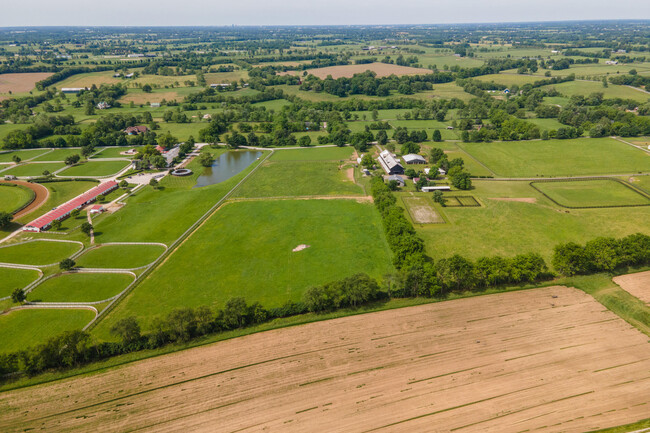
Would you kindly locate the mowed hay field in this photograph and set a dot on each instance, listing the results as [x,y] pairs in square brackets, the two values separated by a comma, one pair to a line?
[548,359]
[19,83]
[381,69]
[637,285]
[38,252]
[592,193]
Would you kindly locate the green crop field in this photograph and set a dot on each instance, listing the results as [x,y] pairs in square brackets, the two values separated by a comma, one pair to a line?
[34,169]
[95,168]
[120,256]
[280,179]
[546,124]
[23,154]
[58,154]
[38,253]
[275,104]
[112,152]
[590,193]
[514,218]
[15,279]
[25,328]
[586,156]
[80,287]
[245,249]
[586,87]
[60,192]
[313,154]
[13,197]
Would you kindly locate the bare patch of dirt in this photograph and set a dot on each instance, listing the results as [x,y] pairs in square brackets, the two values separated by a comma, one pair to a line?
[300,248]
[519,361]
[142,98]
[518,199]
[22,82]
[349,173]
[637,285]
[421,211]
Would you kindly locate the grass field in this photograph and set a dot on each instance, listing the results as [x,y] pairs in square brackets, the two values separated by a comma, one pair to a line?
[546,124]
[586,87]
[15,279]
[60,192]
[281,179]
[58,154]
[591,193]
[245,249]
[509,79]
[35,169]
[79,287]
[13,197]
[588,156]
[38,253]
[120,256]
[95,168]
[24,328]
[275,104]
[112,152]
[514,218]
[381,69]
[314,154]
[23,154]
[548,359]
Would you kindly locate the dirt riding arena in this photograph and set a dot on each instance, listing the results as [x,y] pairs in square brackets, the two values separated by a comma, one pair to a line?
[23,82]
[41,192]
[637,285]
[381,69]
[516,199]
[421,211]
[550,359]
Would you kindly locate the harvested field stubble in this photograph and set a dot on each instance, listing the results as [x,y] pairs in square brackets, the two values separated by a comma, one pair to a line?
[637,285]
[550,358]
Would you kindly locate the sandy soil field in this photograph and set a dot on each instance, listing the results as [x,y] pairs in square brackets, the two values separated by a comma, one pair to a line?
[382,70]
[550,359]
[637,285]
[421,211]
[23,82]
[517,199]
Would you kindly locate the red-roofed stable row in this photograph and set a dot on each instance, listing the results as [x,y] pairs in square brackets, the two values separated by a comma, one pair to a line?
[63,211]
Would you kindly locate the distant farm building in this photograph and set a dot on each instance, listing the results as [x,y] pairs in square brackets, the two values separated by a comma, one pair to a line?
[389,163]
[222,85]
[103,105]
[130,75]
[436,188]
[413,158]
[73,89]
[397,179]
[135,130]
[96,209]
[207,116]
[155,105]
[63,211]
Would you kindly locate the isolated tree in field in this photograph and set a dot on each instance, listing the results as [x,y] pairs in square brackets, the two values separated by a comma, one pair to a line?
[382,138]
[153,183]
[367,161]
[46,173]
[146,88]
[375,115]
[439,198]
[410,147]
[436,136]
[90,108]
[5,219]
[236,140]
[16,159]
[123,184]
[127,329]
[75,213]
[72,159]
[205,159]
[460,178]
[56,224]
[86,228]
[67,264]
[18,296]
[86,151]
[304,141]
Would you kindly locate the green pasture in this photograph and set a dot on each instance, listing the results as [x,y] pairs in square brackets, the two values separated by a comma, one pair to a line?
[38,253]
[585,88]
[275,104]
[245,250]
[59,154]
[119,256]
[513,227]
[95,168]
[591,193]
[13,279]
[546,124]
[23,154]
[509,79]
[112,152]
[34,169]
[79,287]
[281,179]
[313,154]
[26,328]
[584,156]
[13,197]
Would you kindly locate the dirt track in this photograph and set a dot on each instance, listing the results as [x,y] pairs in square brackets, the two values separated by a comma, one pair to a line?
[551,359]
[637,285]
[41,192]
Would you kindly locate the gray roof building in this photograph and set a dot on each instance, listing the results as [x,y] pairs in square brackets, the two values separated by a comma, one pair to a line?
[389,163]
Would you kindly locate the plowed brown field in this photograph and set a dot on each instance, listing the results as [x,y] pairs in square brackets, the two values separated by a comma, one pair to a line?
[637,285]
[550,359]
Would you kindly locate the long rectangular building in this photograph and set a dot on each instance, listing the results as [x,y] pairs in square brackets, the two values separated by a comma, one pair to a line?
[63,211]
[389,163]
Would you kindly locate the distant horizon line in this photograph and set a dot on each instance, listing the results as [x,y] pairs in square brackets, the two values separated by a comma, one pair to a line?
[466,23]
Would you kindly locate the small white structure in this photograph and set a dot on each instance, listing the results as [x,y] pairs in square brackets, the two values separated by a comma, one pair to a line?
[413,158]
[207,116]
[611,62]
[155,105]
[10,177]
[96,209]
[130,75]
[427,170]
[436,188]
[359,159]
[73,89]
[103,105]
[215,85]
[441,171]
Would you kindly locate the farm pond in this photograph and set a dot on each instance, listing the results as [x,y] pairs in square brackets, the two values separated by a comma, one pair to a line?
[226,166]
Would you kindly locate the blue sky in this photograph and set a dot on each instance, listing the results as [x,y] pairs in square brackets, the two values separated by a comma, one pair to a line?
[308,12]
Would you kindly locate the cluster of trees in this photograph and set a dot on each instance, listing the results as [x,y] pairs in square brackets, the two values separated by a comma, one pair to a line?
[402,135]
[602,254]
[348,292]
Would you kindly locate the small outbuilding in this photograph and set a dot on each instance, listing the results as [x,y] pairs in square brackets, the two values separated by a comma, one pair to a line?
[436,188]
[135,130]
[413,158]
[398,179]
